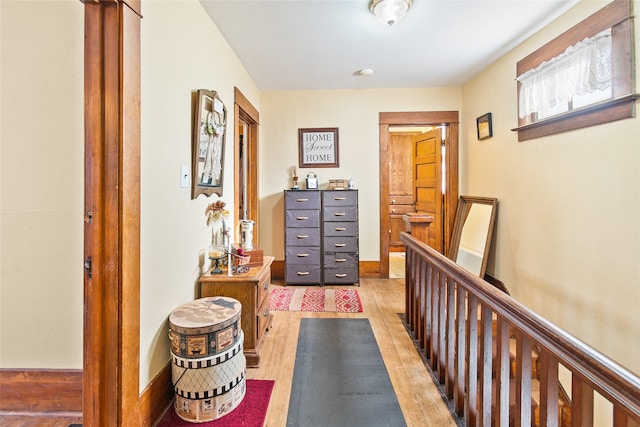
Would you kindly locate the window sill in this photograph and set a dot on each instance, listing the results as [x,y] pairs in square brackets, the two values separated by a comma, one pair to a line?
[608,111]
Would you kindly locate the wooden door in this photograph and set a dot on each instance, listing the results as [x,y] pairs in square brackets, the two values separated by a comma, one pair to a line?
[427,182]
[400,186]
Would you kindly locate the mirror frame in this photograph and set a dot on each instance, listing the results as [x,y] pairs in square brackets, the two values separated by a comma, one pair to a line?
[462,212]
[207,104]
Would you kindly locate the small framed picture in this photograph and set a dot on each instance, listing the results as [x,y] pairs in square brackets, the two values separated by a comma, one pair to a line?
[318,148]
[484,126]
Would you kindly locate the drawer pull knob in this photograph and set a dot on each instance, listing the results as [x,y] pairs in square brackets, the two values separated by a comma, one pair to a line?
[266,285]
[340,198]
[340,276]
[302,218]
[341,260]
[302,200]
[303,273]
[340,213]
[303,255]
[393,211]
[341,228]
[393,201]
[340,245]
[266,312]
[303,236]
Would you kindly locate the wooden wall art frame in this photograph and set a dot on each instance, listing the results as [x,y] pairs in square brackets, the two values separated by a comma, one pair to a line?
[318,148]
[209,129]
[484,126]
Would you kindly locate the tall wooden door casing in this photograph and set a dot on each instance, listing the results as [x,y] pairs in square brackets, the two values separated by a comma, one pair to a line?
[112,213]
[246,200]
[427,182]
[400,186]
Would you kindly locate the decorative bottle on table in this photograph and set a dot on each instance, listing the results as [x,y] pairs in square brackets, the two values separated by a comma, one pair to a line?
[216,217]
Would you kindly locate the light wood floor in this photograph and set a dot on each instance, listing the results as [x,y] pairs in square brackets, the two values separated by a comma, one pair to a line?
[382,300]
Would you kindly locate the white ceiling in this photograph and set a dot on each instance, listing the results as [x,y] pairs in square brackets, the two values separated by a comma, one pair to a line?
[320,44]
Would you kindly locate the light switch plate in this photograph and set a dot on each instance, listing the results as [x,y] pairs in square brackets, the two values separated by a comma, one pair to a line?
[184,176]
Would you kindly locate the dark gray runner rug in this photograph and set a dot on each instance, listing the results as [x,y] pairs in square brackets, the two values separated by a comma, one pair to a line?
[339,378]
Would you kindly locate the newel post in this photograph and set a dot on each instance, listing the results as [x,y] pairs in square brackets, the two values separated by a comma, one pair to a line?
[417,224]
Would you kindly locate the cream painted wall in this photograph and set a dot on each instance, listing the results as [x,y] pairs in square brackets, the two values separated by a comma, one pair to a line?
[182,51]
[356,114]
[568,231]
[42,143]
[42,184]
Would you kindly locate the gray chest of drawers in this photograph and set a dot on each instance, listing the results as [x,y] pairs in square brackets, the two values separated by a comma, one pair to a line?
[321,237]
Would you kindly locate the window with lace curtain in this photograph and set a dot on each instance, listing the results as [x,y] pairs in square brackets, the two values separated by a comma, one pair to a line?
[581,78]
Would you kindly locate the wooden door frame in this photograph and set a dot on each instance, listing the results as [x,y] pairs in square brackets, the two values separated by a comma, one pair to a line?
[418,118]
[111,347]
[245,112]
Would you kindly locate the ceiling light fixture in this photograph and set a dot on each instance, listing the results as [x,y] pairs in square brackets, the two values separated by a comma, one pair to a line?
[389,11]
[364,72]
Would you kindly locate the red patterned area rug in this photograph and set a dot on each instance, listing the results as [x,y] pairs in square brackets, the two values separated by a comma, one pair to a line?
[251,412]
[314,299]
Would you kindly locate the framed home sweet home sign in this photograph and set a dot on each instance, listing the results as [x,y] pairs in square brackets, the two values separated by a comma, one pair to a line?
[318,148]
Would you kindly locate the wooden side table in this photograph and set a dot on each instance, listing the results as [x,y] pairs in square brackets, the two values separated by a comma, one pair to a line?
[252,290]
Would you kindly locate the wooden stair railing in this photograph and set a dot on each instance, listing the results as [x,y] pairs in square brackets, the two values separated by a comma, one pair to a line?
[440,300]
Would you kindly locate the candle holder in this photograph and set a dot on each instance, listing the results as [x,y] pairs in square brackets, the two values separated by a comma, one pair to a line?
[217,254]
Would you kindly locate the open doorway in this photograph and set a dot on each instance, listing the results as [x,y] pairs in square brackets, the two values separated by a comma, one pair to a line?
[246,164]
[397,186]
[401,196]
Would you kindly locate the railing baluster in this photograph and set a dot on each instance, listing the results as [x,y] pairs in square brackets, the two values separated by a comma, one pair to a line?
[461,321]
[622,419]
[486,353]
[442,336]
[409,289]
[433,311]
[421,278]
[523,381]
[548,390]
[581,403]
[418,314]
[451,337]
[503,373]
[426,307]
[471,378]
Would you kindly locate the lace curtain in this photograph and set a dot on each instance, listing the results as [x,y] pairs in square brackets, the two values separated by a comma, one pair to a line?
[582,70]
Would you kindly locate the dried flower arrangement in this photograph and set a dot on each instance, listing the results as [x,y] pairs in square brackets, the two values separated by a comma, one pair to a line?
[216,214]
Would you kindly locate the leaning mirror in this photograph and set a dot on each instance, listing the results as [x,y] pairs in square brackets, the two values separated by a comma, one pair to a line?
[472,233]
[209,122]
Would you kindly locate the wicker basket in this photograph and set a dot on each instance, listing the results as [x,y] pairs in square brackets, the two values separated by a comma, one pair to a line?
[240,263]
